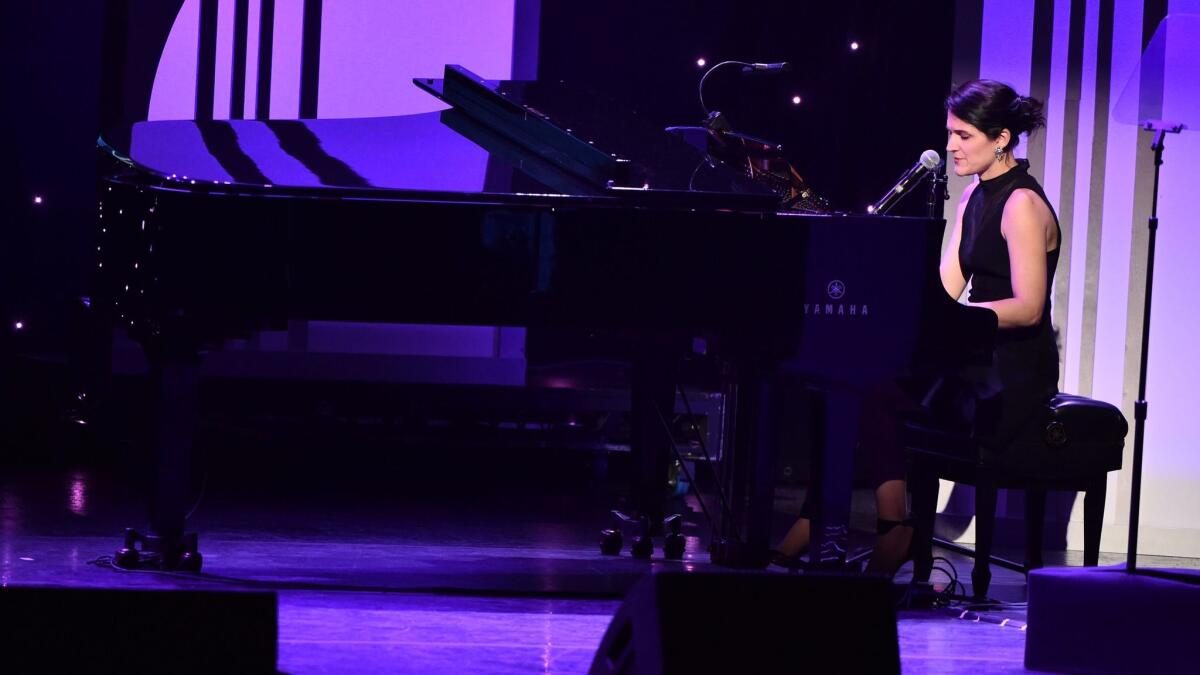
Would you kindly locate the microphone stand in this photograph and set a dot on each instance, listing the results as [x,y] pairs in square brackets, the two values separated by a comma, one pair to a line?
[1161,129]
[938,192]
[711,117]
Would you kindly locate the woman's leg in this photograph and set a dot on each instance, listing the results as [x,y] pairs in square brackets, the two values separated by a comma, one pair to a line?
[893,546]
[888,466]
[796,540]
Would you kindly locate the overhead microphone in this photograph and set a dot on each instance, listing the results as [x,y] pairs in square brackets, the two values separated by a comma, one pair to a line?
[781,67]
[928,162]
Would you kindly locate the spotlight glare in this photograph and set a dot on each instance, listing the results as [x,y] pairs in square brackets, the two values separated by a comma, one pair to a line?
[701,62]
[37,199]
[796,100]
[854,46]
[20,325]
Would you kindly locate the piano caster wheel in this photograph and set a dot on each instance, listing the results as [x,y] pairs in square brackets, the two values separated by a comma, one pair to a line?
[128,556]
[643,547]
[674,546]
[611,542]
[190,561]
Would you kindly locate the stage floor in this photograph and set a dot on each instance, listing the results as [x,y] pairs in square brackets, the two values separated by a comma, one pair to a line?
[468,577]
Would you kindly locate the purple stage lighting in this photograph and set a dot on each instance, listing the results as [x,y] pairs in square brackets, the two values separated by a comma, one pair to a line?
[37,199]
[20,325]
[854,46]
[701,62]
[796,100]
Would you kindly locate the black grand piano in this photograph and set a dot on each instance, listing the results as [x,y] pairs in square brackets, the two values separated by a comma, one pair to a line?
[523,204]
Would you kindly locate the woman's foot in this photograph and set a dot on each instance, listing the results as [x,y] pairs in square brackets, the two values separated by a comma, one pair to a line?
[892,549]
[794,543]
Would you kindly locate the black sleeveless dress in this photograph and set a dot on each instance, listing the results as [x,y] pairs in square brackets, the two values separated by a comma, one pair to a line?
[1024,373]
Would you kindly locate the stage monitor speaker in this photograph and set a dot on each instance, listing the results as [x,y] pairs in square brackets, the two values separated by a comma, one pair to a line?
[46,630]
[752,623]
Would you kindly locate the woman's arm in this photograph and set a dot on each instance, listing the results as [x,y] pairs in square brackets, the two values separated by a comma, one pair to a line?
[1023,226]
[952,276]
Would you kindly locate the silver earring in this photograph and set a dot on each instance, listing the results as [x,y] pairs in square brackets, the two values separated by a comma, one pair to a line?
[999,153]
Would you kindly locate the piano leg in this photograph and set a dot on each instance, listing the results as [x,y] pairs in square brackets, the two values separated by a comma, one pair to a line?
[833,478]
[174,388]
[749,467]
[652,399]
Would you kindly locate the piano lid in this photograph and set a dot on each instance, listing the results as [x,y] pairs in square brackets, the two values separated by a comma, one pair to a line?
[452,152]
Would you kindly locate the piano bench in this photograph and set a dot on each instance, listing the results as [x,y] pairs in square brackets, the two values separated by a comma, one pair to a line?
[1071,445]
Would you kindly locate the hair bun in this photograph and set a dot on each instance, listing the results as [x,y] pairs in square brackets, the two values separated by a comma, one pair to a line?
[1028,114]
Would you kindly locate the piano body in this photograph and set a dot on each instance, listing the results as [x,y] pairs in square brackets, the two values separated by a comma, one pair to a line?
[521,205]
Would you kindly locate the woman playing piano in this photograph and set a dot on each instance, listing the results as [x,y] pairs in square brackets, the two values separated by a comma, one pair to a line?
[1005,242]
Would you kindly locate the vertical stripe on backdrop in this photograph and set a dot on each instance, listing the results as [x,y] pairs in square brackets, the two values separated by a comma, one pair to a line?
[1095,228]
[1039,79]
[206,60]
[968,36]
[1067,178]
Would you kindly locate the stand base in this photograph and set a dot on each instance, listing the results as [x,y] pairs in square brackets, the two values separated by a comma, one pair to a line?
[180,553]
[1104,620]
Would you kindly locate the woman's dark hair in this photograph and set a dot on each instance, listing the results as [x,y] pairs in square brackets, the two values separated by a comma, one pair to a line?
[992,107]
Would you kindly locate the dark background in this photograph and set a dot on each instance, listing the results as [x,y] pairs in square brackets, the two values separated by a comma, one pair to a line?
[866,115]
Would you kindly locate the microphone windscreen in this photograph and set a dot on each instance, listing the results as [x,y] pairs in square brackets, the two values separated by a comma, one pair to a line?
[930,159]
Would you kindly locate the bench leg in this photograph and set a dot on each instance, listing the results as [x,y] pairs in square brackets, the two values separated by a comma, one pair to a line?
[985,526]
[1035,523]
[924,486]
[1093,520]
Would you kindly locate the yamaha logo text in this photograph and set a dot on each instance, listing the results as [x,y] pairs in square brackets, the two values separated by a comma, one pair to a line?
[836,290]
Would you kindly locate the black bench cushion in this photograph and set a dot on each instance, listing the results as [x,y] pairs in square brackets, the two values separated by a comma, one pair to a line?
[1070,436]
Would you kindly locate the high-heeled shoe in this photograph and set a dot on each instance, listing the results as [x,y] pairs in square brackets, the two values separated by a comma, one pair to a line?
[790,562]
[893,548]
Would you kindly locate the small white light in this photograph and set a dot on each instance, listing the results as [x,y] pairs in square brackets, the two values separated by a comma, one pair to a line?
[37,199]
[20,325]
[796,100]
[870,208]
[854,46]
[701,62]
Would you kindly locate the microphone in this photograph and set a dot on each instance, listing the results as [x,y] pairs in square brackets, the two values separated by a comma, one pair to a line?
[783,67]
[928,162]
